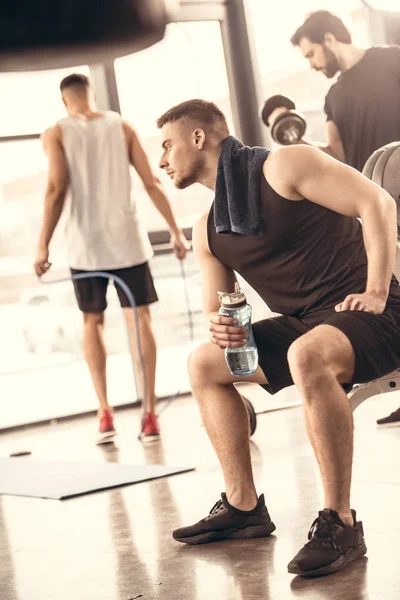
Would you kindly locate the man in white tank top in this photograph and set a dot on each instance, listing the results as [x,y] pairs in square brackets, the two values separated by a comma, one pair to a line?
[89,154]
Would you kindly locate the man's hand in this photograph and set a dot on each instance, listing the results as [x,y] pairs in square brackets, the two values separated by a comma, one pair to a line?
[367,302]
[180,245]
[42,263]
[225,332]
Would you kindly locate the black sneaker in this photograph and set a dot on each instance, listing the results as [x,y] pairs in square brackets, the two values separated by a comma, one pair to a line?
[332,546]
[225,522]
[392,419]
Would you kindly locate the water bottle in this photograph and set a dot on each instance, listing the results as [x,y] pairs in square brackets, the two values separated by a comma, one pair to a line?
[241,361]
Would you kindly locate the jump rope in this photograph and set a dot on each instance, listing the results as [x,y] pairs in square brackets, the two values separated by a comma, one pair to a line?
[132,302]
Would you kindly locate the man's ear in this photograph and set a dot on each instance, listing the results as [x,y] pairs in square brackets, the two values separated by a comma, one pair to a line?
[330,40]
[199,138]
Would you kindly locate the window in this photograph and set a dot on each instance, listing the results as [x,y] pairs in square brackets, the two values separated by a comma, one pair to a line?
[188,63]
[30,102]
[23,179]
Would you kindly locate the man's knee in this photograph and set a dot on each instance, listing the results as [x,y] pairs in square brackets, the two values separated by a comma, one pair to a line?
[93,319]
[142,313]
[322,352]
[200,364]
[197,362]
[305,358]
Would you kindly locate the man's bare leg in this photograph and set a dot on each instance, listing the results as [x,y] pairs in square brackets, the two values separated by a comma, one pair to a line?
[96,356]
[319,361]
[148,351]
[225,419]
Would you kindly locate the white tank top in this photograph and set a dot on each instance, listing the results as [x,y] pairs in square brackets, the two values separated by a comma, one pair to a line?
[103,229]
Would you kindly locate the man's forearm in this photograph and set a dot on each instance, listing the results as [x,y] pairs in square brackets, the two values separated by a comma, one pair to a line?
[380,238]
[53,207]
[163,206]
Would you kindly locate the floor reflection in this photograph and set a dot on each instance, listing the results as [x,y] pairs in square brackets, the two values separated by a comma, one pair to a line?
[353,579]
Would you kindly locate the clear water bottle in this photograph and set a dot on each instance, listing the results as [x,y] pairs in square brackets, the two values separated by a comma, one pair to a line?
[241,361]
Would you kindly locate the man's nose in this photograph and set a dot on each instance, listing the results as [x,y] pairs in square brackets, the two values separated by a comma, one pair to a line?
[163,163]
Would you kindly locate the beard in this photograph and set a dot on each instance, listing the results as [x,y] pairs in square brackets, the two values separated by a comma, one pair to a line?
[332,63]
[191,178]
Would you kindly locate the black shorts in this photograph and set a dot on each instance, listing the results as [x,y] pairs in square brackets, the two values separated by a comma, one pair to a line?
[91,293]
[375,340]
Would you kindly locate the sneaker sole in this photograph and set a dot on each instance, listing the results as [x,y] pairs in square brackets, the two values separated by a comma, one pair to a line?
[152,437]
[390,424]
[257,531]
[105,437]
[340,563]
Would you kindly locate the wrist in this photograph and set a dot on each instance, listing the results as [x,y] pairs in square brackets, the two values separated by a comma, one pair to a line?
[43,245]
[378,292]
[175,231]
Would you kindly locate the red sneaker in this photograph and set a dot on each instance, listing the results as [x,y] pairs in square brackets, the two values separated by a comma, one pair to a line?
[150,427]
[106,428]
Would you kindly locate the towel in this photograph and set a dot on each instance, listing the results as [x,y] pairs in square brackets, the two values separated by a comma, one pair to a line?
[237,204]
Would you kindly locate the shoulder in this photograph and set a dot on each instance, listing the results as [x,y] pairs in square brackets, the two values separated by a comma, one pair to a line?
[391,55]
[332,99]
[129,130]
[289,158]
[382,56]
[52,134]
[384,51]
[331,92]
[286,167]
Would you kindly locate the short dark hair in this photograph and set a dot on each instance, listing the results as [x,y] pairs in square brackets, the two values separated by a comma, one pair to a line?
[204,112]
[73,80]
[317,24]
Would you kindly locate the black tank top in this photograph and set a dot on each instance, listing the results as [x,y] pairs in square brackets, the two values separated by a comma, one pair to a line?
[308,258]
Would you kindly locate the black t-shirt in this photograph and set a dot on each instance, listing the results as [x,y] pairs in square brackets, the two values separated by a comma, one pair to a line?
[364,104]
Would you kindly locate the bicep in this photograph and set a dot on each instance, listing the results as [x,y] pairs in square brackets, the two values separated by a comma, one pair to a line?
[58,168]
[216,277]
[334,140]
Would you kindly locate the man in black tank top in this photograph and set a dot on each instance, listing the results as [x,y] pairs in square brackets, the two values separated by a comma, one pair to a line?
[362,106]
[332,282]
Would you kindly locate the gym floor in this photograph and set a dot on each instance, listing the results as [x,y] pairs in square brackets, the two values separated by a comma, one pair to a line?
[117,544]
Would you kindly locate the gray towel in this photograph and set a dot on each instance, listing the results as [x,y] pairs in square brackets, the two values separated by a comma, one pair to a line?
[237,204]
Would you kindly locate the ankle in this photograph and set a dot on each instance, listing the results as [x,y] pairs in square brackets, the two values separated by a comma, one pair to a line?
[242,500]
[345,515]
[103,409]
[149,407]
[149,412]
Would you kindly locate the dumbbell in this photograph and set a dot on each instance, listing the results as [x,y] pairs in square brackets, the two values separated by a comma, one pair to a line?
[288,125]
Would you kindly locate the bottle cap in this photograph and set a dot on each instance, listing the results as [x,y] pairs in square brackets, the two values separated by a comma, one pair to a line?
[232,300]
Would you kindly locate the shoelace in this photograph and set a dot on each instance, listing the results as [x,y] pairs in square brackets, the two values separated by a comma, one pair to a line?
[218,506]
[322,532]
